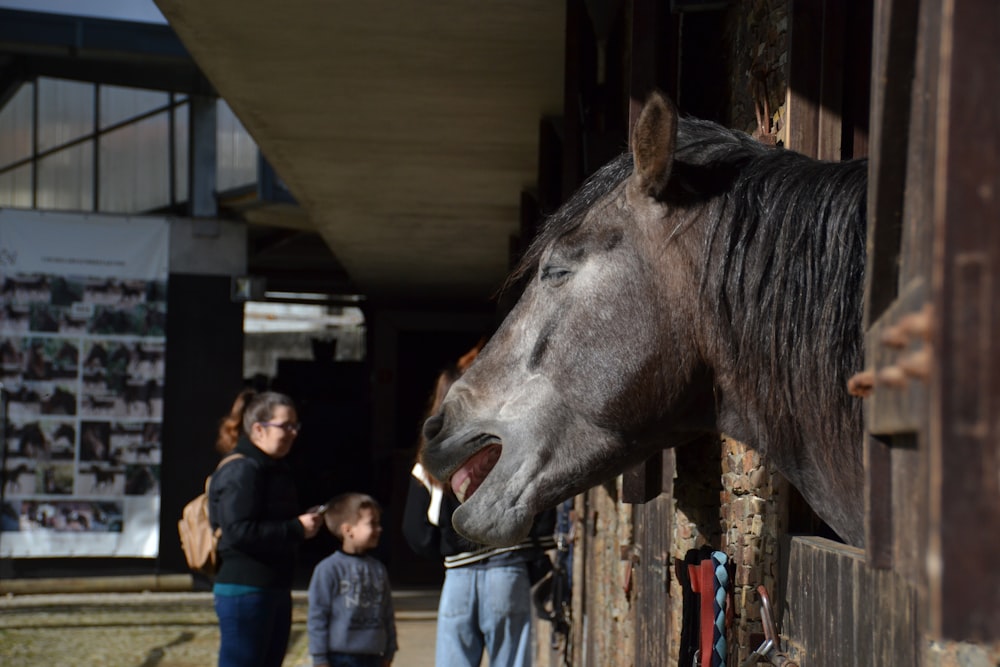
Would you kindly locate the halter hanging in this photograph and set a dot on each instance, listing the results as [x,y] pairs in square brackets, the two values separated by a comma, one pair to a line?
[705,580]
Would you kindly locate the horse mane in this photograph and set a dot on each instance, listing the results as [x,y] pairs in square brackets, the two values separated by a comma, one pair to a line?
[790,237]
[784,248]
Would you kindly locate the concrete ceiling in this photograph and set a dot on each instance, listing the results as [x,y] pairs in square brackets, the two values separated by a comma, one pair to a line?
[405,130]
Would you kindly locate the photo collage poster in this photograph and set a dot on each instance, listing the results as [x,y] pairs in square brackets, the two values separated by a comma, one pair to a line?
[83,305]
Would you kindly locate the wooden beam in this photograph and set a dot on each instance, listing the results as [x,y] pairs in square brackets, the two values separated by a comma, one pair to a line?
[965,437]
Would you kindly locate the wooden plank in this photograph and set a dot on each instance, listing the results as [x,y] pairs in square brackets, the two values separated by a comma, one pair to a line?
[905,634]
[829,594]
[579,66]
[965,483]
[881,604]
[840,615]
[909,507]
[793,623]
[811,591]
[830,120]
[652,528]
[878,502]
[822,99]
[896,409]
[863,594]
[804,73]
[892,72]
[858,70]
[643,482]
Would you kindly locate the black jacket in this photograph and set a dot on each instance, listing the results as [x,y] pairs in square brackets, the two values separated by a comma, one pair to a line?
[253,499]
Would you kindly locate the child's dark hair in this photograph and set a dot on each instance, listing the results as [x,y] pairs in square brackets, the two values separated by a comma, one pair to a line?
[346,508]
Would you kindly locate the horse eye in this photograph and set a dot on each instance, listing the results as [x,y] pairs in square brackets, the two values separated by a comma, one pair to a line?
[554,274]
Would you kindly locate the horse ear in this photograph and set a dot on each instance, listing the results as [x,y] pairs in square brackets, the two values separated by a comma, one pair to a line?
[653,140]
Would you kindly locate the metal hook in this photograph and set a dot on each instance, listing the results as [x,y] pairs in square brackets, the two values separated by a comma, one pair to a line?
[769,649]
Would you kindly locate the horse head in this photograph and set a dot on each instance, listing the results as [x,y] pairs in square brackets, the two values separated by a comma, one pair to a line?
[579,382]
[703,283]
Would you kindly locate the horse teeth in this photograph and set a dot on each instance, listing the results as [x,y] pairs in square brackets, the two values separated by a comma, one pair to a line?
[460,491]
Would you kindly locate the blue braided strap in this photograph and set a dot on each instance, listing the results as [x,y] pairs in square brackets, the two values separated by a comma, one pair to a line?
[719,607]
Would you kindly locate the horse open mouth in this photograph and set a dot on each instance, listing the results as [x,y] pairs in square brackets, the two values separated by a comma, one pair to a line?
[471,474]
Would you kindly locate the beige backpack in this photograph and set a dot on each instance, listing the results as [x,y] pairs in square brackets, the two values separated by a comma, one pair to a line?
[199,541]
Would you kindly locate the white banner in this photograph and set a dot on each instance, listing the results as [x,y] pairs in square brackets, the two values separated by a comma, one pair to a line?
[83,304]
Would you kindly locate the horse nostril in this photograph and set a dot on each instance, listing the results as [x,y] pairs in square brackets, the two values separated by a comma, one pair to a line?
[433,426]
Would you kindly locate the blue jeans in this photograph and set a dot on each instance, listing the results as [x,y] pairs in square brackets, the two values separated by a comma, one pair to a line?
[485,608]
[254,628]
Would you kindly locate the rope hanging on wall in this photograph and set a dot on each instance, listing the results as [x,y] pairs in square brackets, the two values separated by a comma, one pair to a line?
[705,580]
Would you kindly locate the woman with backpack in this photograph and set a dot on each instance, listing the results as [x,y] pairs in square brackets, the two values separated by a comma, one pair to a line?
[253,499]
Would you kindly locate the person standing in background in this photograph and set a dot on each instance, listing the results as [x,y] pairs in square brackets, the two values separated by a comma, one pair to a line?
[351,621]
[485,603]
[253,499]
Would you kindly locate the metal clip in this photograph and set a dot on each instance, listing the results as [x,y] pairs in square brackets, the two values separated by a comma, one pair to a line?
[769,649]
[762,652]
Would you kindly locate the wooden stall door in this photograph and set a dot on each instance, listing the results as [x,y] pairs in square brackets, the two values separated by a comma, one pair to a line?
[933,489]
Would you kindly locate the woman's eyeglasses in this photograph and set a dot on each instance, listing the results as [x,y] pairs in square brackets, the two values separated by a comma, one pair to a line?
[287,427]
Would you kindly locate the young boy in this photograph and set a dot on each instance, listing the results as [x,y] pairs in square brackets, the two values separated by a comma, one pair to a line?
[351,621]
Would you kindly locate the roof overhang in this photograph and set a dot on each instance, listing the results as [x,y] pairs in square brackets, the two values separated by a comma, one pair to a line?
[406,131]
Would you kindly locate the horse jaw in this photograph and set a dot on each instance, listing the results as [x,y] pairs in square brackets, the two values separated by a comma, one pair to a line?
[547,456]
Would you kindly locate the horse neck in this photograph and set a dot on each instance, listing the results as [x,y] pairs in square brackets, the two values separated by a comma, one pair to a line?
[787,312]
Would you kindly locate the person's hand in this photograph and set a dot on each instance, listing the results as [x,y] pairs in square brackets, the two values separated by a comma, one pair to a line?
[311,523]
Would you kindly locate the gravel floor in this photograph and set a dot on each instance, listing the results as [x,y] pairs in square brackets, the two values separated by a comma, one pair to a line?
[162,630]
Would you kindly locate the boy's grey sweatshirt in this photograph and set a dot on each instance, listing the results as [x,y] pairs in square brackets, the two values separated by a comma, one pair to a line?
[350,608]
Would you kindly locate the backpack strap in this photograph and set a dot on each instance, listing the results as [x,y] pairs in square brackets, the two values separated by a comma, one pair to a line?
[208,481]
[224,461]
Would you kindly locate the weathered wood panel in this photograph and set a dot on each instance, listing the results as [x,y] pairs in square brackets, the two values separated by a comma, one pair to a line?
[651,567]
[602,612]
[965,454]
[840,612]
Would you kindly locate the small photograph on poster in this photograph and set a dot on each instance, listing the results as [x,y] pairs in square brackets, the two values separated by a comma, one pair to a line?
[9,519]
[144,382]
[58,398]
[113,292]
[146,360]
[74,319]
[66,290]
[112,321]
[156,292]
[123,379]
[51,359]
[101,479]
[54,479]
[12,356]
[142,480]
[71,515]
[26,288]
[41,440]
[95,442]
[14,318]
[23,402]
[143,399]
[104,377]
[45,317]
[18,477]
[151,319]
[136,442]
